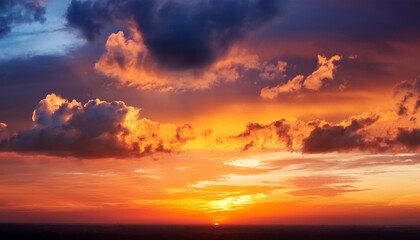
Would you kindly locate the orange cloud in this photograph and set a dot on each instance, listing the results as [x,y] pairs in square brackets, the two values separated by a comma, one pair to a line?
[283,134]
[95,129]
[127,60]
[292,85]
[100,129]
[325,71]
[365,132]
[273,71]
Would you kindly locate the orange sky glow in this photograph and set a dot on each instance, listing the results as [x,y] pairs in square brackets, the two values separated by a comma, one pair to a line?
[203,112]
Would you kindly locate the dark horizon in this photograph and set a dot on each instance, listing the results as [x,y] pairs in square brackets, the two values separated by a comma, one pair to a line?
[178,232]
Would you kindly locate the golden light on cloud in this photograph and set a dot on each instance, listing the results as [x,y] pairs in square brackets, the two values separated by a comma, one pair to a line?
[128,61]
[235,203]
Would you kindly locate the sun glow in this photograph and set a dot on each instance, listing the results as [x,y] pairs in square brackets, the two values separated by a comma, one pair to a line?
[234,203]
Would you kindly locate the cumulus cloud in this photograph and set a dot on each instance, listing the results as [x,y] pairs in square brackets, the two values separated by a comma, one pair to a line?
[94,130]
[342,137]
[13,12]
[128,61]
[366,132]
[178,34]
[326,70]
[277,134]
[283,135]
[170,45]
[112,129]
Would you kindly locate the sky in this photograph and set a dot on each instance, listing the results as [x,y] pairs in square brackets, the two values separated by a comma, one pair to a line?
[201,111]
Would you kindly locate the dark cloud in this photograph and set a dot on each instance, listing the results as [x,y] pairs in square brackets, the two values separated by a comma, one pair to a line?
[409,138]
[265,136]
[356,136]
[179,34]
[380,132]
[409,97]
[13,12]
[89,17]
[330,138]
[315,136]
[96,129]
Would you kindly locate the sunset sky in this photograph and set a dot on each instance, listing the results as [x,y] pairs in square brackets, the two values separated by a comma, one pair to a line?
[204,111]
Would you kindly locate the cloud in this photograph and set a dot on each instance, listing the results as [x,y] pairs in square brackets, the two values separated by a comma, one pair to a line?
[325,71]
[112,129]
[174,45]
[128,61]
[312,136]
[409,138]
[292,85]
[321,185]
[94,130]
[330,138]
[379,132]
[178,34]
[325,191]
[274,71]
[408,93]
[280,134]
[90,17]
[318,181]
[14,12]
[385,131]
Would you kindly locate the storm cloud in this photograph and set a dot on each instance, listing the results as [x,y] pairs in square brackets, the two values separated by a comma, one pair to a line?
[178,34]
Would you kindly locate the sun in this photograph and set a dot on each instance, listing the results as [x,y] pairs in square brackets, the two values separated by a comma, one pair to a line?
[216,224]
